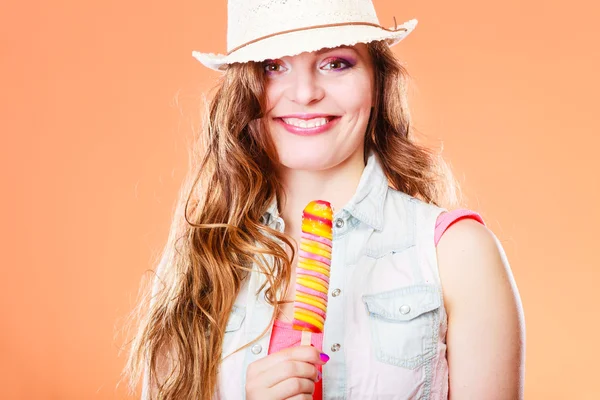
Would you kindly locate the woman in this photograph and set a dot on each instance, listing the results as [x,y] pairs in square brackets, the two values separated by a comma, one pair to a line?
[422,304]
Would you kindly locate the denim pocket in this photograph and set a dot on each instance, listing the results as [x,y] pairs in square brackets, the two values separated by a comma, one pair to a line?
[404,324]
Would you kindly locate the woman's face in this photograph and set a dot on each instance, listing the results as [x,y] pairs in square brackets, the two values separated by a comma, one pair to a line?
[318,106]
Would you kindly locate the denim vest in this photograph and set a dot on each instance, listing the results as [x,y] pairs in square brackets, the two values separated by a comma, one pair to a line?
[386,323]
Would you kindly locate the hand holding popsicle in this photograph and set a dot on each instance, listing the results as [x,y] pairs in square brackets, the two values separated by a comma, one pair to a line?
[289,373]
[312,273]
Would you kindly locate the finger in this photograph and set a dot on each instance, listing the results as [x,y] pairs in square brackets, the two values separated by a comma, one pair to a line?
[293,387]
[287,370]
[297,353]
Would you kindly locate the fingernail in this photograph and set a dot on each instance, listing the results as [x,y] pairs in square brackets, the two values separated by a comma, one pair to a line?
[319,376]
[324,357]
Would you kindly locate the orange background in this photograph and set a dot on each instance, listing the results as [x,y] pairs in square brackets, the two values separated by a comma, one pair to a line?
[96,108]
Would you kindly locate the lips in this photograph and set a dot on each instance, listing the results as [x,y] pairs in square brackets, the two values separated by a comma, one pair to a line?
[314,125]
[307,123]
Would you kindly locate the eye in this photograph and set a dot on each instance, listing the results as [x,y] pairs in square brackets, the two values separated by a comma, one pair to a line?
[337,64]
[271,66]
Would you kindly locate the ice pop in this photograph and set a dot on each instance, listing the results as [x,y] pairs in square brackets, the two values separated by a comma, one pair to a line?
[312,272]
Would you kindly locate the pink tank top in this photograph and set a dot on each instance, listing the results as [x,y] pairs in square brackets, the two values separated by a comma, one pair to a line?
[284,336]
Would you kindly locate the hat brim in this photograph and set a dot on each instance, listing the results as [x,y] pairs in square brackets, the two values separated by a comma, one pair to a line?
[293,43]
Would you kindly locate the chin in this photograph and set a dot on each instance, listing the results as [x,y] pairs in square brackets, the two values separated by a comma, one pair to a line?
[304,159]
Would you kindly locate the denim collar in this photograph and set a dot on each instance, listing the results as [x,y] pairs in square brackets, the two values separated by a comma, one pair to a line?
[367,203]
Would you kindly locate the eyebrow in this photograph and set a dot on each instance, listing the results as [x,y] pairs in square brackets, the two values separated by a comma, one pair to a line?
[327,49]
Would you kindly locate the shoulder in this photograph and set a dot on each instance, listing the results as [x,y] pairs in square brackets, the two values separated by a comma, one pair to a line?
[469,240]
[473,263]
[468,243]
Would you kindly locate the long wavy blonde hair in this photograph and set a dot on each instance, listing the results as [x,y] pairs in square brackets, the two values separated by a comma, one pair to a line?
[217,234]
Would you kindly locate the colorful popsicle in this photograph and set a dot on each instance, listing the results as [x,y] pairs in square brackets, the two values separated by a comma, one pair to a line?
[312,272]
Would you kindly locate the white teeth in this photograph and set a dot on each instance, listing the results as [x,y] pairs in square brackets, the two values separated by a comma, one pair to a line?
[303,123]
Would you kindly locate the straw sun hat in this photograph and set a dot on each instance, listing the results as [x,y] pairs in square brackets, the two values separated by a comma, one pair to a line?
[267,29]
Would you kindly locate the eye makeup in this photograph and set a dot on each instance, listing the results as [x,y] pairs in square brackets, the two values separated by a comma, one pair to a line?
[270,63]
[346,62]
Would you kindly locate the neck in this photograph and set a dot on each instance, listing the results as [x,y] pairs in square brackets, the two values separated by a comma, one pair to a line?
[336,185]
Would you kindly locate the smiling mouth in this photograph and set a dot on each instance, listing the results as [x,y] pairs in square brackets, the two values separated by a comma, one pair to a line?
[307,123]
[308,127]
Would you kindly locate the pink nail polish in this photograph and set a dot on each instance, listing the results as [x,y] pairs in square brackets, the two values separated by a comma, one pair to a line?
[324,357]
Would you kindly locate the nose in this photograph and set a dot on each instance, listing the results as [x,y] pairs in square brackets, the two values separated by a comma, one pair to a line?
[305,88]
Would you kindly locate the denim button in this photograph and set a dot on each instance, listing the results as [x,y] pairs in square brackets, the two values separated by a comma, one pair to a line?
[256,349]
[339,223]
[405,309]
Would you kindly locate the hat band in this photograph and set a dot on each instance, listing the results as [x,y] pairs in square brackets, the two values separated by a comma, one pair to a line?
[316,27]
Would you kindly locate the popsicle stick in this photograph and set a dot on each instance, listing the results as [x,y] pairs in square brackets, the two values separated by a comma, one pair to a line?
[305,340]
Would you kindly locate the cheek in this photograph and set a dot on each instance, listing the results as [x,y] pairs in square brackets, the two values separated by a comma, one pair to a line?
[355,97]
[272,94]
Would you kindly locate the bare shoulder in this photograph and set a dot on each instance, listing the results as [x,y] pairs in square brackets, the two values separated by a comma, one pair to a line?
[470,255]
[486,330]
